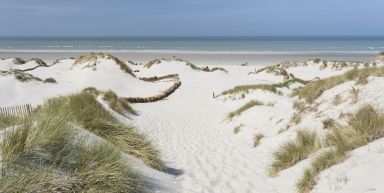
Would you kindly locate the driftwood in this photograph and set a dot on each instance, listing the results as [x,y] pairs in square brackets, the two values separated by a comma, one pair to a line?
[15,110]
[164,94]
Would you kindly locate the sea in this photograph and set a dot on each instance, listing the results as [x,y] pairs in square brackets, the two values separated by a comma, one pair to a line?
[196,44]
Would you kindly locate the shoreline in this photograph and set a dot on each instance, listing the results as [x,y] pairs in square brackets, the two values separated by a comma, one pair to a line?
[255,58]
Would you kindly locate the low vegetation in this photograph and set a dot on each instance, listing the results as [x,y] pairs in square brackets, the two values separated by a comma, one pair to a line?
[315,88]
[91,59]
[8,120]
[120,105]
[329,123]
[363,128]
[257,139]
[151,63]
[244,108]
[50,80]
[25,77]
[266,87]
[236,130]
[89,114]
[40,156]
[290,153]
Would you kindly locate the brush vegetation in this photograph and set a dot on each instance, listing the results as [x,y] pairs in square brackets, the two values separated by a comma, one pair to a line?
[314,89]
[291,152]
[364,127]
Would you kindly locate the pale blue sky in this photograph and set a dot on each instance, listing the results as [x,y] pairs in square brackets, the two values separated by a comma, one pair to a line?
[191,17]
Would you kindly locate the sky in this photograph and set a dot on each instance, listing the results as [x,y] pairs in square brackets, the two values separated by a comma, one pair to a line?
[191,17]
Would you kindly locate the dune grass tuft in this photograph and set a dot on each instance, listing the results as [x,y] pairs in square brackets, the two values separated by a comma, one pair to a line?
[257,139]
[50,80]
[266,87]
[329,123]
[40,156]
[89,114]
[315,88]
[244,108]
[292,152]
[120,105]
[8,120]
[363,128]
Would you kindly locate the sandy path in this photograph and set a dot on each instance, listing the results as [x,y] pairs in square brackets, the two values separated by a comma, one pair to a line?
[189,130]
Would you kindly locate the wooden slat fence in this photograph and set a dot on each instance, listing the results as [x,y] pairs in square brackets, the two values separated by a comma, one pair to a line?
[16,110]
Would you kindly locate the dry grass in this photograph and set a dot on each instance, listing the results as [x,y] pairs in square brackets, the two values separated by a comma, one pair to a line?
[364,127]
[257,139]
[89,114]
[92,58]
[296,118]
[299,106]
[120,105]
[8,120]
[39,156]
[151,63]
[363,80]
[354,95]
[236,130]
[244,108]
[337,100]
[266,87]
[314,89]
[292,152]
[329,123]
[50,80]
[25,77]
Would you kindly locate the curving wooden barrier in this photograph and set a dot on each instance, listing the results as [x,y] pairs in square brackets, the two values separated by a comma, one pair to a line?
[164,94]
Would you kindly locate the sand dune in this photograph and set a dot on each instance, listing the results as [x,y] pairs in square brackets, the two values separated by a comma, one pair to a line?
[190,126]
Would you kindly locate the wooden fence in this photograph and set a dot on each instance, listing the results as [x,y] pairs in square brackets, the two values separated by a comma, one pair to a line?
[15,110]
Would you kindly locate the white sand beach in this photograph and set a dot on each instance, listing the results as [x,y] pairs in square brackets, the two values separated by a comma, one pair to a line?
[204,149]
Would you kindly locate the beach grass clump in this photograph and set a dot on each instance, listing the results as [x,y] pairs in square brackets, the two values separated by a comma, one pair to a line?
[323,161]
[292,152]
[337,100]
[314,89]
[299,106]
[91,59]
[91,90]
[329,123]
[236,130]
[244,108]
[364,127]
[257,139]
[25,77]
[296,118]
[266,87]
[40,155]
[88,113]
[151,63]
[8,120]
[119,105]
[50,80]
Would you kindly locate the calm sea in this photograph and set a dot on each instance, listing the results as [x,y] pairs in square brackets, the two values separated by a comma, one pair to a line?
[213,44]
